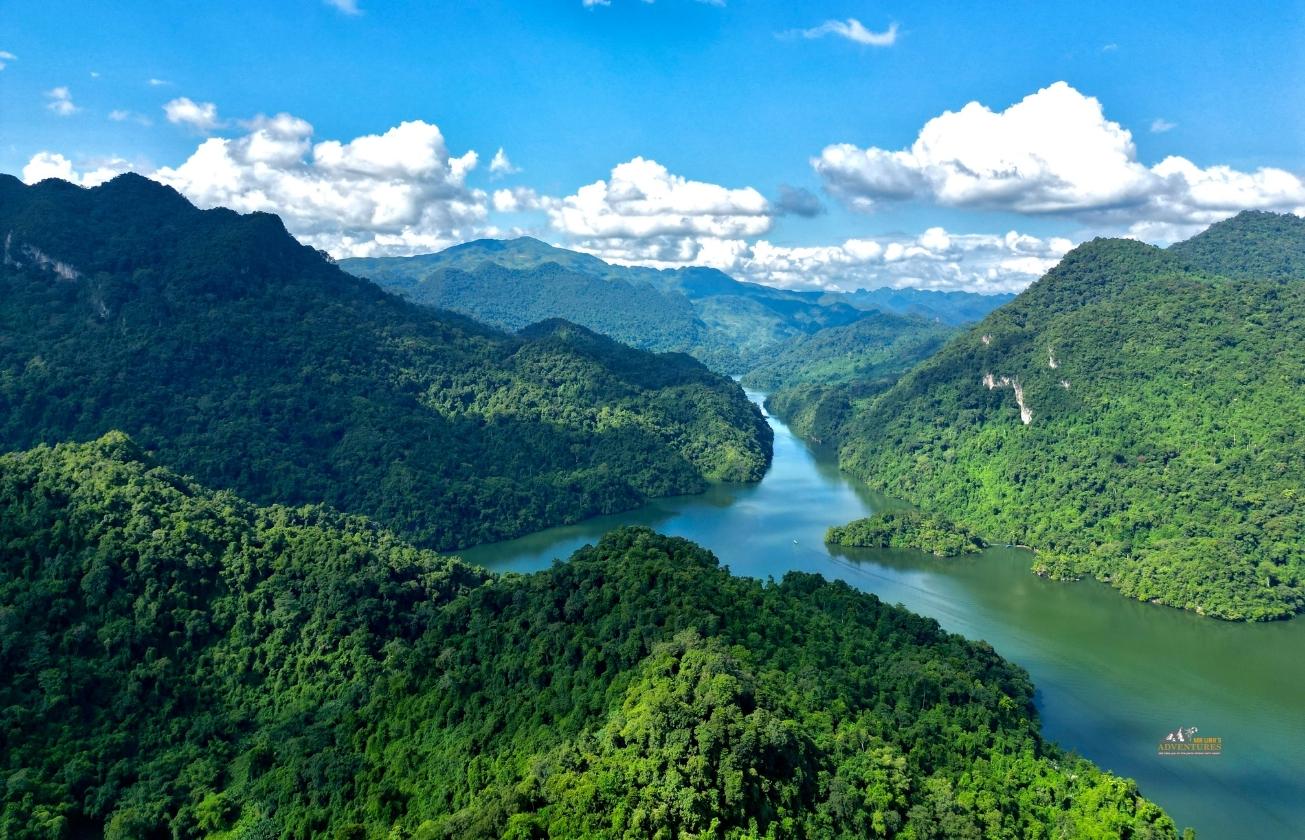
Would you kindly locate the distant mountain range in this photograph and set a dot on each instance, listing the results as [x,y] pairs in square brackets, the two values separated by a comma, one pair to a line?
[1138,414]
[732,326]
[251,362]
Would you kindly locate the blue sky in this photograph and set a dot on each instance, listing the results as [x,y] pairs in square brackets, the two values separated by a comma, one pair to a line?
[721,108]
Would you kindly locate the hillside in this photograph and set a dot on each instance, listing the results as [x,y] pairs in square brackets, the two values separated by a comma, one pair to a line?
[1131,419]
[954,308]
[878,348]
[728,324]
[1254,244]
[181,663]
[253,363]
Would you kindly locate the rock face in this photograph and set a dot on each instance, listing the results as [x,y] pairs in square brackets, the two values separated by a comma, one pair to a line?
[992,383]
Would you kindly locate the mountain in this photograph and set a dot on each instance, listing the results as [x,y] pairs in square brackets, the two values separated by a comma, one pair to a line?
[253,363]
[953,308]
[181,663]
[1253,244]
[1136,415]
[878,348]
[728,324]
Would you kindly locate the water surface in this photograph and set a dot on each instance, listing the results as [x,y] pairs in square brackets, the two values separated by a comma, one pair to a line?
[1113,675]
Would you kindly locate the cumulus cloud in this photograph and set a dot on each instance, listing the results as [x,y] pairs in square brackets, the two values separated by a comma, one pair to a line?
[5,58]
[852,30]
[399,192]
[1054,152]
[61,102]
[198,116]
[501,165]
[52,165]
[643,211]
[348,7]
[935,259]
[1160,125]
[157,82]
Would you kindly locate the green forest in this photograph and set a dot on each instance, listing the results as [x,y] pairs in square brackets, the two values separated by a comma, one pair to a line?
[252,362]
[181,663]
[876,349]
[907,529]
[1135,415]
[734,327]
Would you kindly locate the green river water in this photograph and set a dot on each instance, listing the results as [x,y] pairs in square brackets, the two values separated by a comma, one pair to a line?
[1113,675]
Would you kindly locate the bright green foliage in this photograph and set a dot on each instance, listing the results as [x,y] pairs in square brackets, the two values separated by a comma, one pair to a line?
[249,361]
[180,663]
[877,348]
[1164,449]
[907,529]
[1255,244]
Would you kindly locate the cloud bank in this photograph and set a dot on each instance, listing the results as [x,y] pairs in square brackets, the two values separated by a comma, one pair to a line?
[1052,153]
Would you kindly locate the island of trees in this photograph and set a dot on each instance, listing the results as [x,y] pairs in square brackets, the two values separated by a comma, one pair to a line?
[907,529]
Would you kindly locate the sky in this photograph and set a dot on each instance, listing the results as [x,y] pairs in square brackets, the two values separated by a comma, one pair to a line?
[941,145]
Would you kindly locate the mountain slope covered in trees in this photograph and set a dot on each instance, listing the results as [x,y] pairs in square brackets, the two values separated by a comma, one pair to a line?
[876,349]
[732,326]
[253,363]
[1137,415]
[181,663]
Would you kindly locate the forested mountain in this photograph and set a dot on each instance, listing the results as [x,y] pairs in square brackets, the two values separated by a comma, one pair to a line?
[954,308]
[732,326]
[876,349]
[1253,245]
[1137,415]
[180,663]
[253,363]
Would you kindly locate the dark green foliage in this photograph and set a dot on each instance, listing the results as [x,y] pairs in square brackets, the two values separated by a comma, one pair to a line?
[180,663]
[251,362]
[1165,450]
[877,348]
[729,325]
[1253,244]
[907,529]
[513,297]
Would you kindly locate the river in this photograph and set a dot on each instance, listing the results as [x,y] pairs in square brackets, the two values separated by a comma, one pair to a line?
[1113,675]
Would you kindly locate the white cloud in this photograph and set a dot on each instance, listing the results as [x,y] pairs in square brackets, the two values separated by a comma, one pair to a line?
[158,82]
[61,102]
[1160,125]
[501,165]
[1054,152]
[400,192]
[642,211]
[51,165]
[122,115]
[198,116]
[935,259]
[349,7]
[5,58]
[853,30]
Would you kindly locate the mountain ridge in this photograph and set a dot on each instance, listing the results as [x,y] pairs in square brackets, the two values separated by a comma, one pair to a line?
[253,363]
